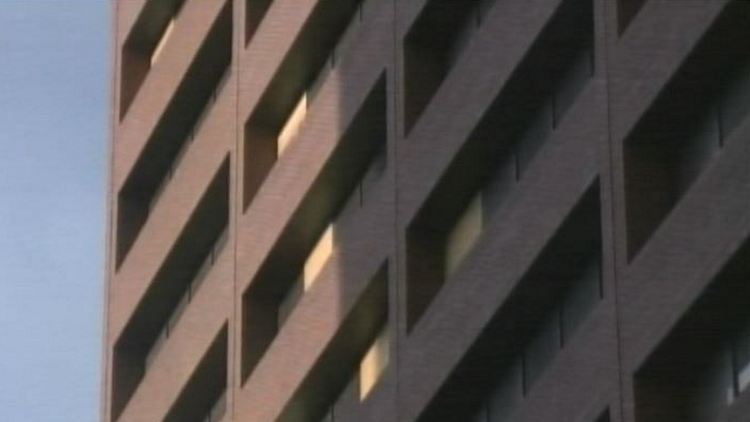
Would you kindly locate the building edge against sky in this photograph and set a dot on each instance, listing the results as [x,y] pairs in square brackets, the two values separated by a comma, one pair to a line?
[419,210]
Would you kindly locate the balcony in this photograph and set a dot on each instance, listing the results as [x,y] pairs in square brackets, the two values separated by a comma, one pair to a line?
[309,237]
[177,280]
[173,133]
[281,112]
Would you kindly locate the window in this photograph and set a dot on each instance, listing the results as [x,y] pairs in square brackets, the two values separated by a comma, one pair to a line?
[162,42]
[542,348]
[313,265]
[581,298]
[741,360]
[290,129]
[373,363]
[506,393]
[464,234]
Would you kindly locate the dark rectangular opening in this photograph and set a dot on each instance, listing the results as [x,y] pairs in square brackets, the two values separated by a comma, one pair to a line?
[431,46]
[295,77]
[703,365]
[522,116]
[204,397]
[173,133]
[340,177]
[539,318]
[144,38]
[687,125]
[322,388]
[255,11]
[626,12]
[194,251]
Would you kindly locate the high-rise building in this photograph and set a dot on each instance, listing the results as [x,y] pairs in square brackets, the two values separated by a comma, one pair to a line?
[429,210]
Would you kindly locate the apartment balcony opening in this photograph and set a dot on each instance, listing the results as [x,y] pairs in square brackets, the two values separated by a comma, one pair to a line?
[176,282]
[173,134]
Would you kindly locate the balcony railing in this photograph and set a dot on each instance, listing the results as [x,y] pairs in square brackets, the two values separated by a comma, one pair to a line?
[193,287]
[297,116]
[189,140]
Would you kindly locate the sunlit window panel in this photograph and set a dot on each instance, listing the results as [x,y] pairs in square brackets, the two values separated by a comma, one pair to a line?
[318,257]
[463,235]
[162,42]
[292,126]
[373,364]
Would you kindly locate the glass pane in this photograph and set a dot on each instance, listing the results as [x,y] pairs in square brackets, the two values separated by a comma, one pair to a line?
[541,350]
[735,99]
[713,389]
[742,358]
[580,300]
[536,134]
[506,394]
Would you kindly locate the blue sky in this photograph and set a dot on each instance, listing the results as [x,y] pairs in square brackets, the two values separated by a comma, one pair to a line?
[54,93]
